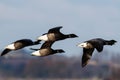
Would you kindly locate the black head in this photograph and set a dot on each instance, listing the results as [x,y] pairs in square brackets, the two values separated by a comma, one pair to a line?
[59,51]
[72,36]
[113,41]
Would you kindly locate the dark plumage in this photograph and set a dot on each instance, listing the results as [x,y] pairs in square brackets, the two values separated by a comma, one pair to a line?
[46,50]
[19,44]
[90,45]
[54,34]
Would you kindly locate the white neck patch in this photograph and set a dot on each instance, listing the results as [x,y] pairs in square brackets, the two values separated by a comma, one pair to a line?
[36,53]
[84,45]
[11,46]
[43,38]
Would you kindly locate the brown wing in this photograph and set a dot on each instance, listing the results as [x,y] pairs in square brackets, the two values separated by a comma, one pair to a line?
[87,53]
[55,30]
[47,44]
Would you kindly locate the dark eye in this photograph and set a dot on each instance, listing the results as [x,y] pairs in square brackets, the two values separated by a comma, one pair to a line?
[82,45]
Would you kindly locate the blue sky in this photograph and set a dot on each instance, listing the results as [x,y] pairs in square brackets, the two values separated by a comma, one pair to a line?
[86,18]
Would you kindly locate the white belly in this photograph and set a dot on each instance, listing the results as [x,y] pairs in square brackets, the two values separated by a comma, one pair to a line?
[43,38]
[11,46]
[36,53]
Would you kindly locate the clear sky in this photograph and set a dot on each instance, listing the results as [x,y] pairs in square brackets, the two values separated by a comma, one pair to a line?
[86,18]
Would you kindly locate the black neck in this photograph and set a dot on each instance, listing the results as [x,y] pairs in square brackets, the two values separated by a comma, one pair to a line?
[68,36]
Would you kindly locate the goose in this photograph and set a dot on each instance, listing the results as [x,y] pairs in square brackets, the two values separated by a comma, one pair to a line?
[46,50]
[19,44]
[90,45]
[54,34]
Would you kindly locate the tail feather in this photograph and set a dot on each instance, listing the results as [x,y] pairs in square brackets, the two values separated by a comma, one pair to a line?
[37,42]
[110,42]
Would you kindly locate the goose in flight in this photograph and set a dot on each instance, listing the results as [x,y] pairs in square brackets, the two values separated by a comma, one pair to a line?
[46,50]
[54,34]
[90,45]
[19,44]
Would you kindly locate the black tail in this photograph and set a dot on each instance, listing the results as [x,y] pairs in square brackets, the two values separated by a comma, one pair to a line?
[5,52]
[110,42]
[37,42]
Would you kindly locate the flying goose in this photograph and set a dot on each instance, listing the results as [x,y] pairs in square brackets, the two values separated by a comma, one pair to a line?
[19,44]
[46,50]
[54,34]
[90,45]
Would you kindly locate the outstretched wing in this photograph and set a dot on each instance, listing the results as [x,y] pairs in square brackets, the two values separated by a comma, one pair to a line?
[97,43]
[87,53]
[47,44]
[55,30]
[99,47]
[5,52]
